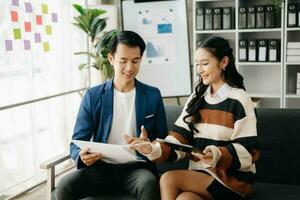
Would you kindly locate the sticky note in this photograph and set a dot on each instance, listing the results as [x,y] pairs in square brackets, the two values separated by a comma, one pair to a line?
[39,19]
[17,33]
[48,30]
[54,17]
[44,8]
[8,45]
[27,44]
[46,46]
[28,7]
[14,16]
[27,26]
[37,37]
[15,2]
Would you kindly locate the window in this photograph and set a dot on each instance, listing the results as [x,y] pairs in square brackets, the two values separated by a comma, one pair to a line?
[39,78]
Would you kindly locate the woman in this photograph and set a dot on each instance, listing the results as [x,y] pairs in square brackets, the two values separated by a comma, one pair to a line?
[219,119]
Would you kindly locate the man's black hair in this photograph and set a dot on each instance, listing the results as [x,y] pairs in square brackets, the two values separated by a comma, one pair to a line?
[128,38]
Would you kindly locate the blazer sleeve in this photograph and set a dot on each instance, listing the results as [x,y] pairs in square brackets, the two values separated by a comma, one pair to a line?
[83,129]
[160,126]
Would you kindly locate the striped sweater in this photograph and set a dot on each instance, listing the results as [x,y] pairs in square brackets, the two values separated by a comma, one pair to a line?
[227,125]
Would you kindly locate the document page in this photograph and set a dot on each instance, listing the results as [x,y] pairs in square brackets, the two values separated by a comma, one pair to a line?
[112,153]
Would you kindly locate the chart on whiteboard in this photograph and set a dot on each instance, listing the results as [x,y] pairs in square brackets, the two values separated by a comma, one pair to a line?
[157,29]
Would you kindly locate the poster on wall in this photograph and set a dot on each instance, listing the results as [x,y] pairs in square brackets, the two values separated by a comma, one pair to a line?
[157,28]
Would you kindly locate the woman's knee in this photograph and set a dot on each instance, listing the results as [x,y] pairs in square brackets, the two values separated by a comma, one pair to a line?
[168,178]
[188,195]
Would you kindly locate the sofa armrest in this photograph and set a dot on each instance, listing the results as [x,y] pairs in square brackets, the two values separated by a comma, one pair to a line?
[49,165]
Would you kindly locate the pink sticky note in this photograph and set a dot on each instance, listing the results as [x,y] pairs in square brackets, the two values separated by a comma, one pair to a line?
[37,37]
[27,44]
[27,26]
[8,45]
[14,16]
[39,20]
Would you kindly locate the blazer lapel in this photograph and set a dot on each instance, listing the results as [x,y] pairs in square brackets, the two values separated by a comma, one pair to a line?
[107,110]
[140,106]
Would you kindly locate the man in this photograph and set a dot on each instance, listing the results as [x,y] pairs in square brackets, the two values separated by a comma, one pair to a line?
[108,111]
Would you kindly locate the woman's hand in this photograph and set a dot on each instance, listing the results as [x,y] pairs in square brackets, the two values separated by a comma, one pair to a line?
[141,144]
[206,157]
[89,158]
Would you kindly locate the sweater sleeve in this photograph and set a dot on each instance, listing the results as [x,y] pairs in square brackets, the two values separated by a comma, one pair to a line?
[243,151]
[180,134]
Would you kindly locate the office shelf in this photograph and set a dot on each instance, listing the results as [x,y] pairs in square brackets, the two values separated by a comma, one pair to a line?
[259,30]
[259,63]
[272,82]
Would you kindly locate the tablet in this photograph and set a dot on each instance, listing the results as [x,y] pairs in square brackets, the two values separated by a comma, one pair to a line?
[180,147]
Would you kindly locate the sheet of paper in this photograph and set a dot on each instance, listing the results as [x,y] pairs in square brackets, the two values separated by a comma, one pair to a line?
[112,153]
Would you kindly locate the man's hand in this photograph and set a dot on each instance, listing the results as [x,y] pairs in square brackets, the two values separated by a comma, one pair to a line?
[89,158]
[141,144]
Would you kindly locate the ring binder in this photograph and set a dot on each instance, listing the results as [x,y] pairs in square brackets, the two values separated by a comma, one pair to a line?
[208,19]
[274,50]
[252,51]
[292,15]
[299,14]
[200,19]
[243,50]
[262,50]
[217,18]
[242,18]
[251,17]
[270,17]
[260,17]
[227,18]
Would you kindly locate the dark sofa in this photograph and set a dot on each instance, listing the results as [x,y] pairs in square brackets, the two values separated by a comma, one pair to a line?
[278,169]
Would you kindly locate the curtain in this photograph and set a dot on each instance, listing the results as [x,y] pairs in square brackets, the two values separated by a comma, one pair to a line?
[37,42]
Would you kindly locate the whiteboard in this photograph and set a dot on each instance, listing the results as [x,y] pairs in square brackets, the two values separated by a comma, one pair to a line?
[163,26]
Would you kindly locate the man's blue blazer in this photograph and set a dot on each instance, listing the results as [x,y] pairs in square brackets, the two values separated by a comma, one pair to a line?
[94,119]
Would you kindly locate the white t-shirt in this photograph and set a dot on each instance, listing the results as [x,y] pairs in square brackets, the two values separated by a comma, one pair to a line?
[124,119]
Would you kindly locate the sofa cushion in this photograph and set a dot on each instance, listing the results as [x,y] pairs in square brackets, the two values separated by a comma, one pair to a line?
[263,191]
[278,133]
[172,113]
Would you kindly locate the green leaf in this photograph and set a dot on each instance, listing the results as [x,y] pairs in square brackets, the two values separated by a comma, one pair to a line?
[81,27]
[93,55]
[100,27]
[79,9]
[96,12]
[83,21]
[95,66]
[97,26]
[102,46]
[81,66]
[107,70]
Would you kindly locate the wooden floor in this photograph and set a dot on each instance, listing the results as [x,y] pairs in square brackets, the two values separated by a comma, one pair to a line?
[39,193]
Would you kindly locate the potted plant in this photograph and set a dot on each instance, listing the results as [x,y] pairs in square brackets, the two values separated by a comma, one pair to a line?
[91,22]
[277,4]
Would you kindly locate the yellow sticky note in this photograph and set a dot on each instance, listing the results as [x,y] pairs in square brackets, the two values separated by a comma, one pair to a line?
[46,46]
[48,30]
[44,8]
[17,33]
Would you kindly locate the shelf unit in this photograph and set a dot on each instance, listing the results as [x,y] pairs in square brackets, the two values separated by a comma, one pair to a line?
[292,34]
[267,81]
